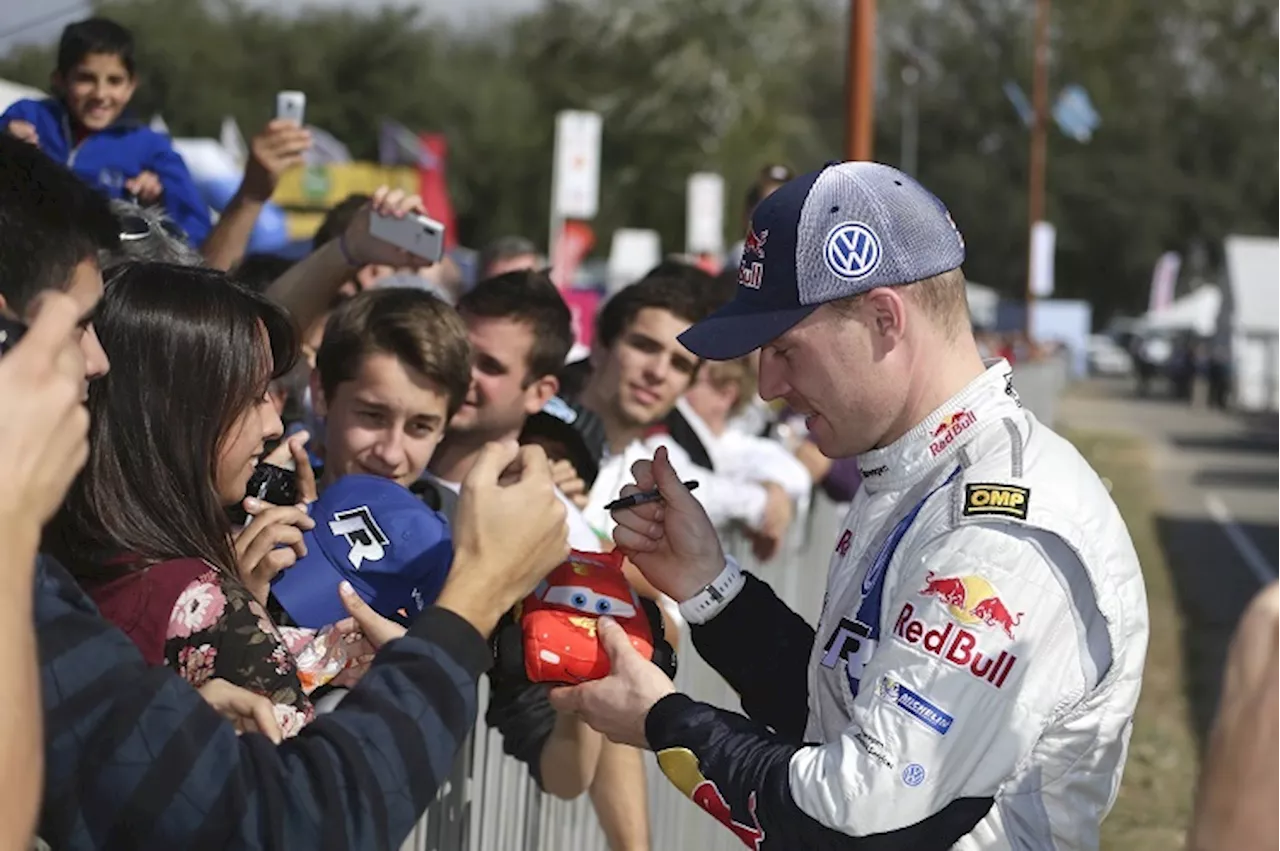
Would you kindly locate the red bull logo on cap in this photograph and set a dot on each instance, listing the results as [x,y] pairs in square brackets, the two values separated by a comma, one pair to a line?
[949,429]
[751,271]
[971,600]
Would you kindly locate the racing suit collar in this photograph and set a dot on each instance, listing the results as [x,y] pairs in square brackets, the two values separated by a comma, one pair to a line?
[987,399]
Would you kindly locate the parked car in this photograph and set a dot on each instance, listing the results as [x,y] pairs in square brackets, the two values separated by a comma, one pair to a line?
[1106,357]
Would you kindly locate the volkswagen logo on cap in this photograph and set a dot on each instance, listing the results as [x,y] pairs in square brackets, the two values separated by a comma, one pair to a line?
[852,251]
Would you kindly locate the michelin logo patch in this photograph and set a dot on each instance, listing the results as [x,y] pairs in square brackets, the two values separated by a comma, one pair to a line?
[914,705]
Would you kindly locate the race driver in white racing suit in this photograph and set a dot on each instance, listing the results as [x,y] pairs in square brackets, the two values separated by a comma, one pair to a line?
[973,677]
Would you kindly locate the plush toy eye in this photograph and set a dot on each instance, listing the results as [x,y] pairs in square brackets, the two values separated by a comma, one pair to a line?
[603,606]
[579,600]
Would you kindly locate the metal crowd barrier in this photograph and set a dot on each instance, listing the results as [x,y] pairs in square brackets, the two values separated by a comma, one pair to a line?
[489,802]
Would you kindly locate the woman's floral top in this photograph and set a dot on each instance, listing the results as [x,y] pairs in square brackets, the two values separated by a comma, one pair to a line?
[204,624]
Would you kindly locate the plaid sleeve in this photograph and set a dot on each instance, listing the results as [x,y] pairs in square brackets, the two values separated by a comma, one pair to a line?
[135,758]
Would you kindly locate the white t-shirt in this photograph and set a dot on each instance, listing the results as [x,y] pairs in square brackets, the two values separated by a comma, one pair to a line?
[726,500]
[581,537]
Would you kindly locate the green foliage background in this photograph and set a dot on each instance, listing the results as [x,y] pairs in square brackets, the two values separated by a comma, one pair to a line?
[1186,89]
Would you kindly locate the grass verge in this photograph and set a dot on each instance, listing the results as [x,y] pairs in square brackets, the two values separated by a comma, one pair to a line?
[1154,805]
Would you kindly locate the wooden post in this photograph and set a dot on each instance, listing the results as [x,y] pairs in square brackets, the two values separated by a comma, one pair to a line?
[860,88]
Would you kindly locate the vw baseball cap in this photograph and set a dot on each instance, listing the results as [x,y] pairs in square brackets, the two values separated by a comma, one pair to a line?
[375,534]
[842,230]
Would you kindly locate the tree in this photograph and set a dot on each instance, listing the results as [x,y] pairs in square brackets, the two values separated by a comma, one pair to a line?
[1186,89]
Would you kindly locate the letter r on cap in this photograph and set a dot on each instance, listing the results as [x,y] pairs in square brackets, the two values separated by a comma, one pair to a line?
[364,544]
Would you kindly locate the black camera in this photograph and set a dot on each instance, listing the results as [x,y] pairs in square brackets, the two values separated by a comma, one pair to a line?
[11,331]
[271,484]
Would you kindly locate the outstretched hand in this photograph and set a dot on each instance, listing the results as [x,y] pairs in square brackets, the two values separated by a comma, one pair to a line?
[509,532]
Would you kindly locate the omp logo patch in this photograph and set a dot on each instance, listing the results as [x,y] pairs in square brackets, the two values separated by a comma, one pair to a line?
[1001,500]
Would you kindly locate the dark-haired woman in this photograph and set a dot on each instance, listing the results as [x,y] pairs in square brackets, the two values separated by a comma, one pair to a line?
[177,427]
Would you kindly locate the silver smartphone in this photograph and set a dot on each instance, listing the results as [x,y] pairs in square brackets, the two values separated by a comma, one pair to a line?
[291,105]
[417,234]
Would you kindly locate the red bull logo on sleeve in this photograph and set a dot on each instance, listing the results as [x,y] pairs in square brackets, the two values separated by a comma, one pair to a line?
[955,644]
[974,604]
[681,767]
[949,429]
[971,600]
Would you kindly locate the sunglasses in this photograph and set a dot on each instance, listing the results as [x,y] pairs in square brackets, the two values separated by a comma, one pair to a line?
[133,228]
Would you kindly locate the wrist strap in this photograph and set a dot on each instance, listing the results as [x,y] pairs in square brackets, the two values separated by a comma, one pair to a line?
[346,255]
[715,595]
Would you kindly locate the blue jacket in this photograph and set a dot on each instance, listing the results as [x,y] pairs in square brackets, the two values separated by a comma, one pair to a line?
[106,159]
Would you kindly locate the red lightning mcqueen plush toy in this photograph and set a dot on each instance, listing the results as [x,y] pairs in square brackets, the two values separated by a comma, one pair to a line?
[558,620]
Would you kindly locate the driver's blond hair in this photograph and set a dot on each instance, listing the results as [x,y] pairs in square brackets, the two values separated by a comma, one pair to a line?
[942,298]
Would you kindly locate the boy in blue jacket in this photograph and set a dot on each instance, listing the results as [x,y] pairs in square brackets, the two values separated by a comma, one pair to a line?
[84,127]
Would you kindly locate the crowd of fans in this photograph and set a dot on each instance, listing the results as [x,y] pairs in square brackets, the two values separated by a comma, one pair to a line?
[179,604]
[222,658]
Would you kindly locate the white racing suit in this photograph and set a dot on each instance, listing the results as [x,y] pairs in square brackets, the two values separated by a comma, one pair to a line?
[974,674]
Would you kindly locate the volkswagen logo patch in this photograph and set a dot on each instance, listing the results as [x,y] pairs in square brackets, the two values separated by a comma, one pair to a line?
[852,251]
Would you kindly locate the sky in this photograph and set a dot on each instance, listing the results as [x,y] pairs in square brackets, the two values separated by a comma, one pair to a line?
[47,19]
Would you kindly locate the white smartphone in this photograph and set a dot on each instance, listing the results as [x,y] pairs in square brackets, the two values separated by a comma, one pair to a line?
[414,233]
[292,105]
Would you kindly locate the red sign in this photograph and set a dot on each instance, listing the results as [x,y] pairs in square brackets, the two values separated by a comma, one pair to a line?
[583,305]
[576,239]
[432,186]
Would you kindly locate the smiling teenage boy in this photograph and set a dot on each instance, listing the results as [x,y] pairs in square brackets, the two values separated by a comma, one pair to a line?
[394,367]
[85,128]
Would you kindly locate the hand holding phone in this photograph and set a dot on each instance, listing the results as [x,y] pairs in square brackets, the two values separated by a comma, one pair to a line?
[415,233]
[291,105]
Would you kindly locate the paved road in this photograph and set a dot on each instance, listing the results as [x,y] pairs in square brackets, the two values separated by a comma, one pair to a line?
[1215,476]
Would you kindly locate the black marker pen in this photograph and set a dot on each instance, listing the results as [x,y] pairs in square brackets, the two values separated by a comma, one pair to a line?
[642,497]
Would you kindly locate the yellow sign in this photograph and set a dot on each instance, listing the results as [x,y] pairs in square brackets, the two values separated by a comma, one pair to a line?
[322,187]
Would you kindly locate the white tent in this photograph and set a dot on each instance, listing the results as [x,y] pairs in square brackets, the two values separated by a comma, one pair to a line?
[983,304]
[1253,273]
[11,93]
[1251,320]
[1197,311]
